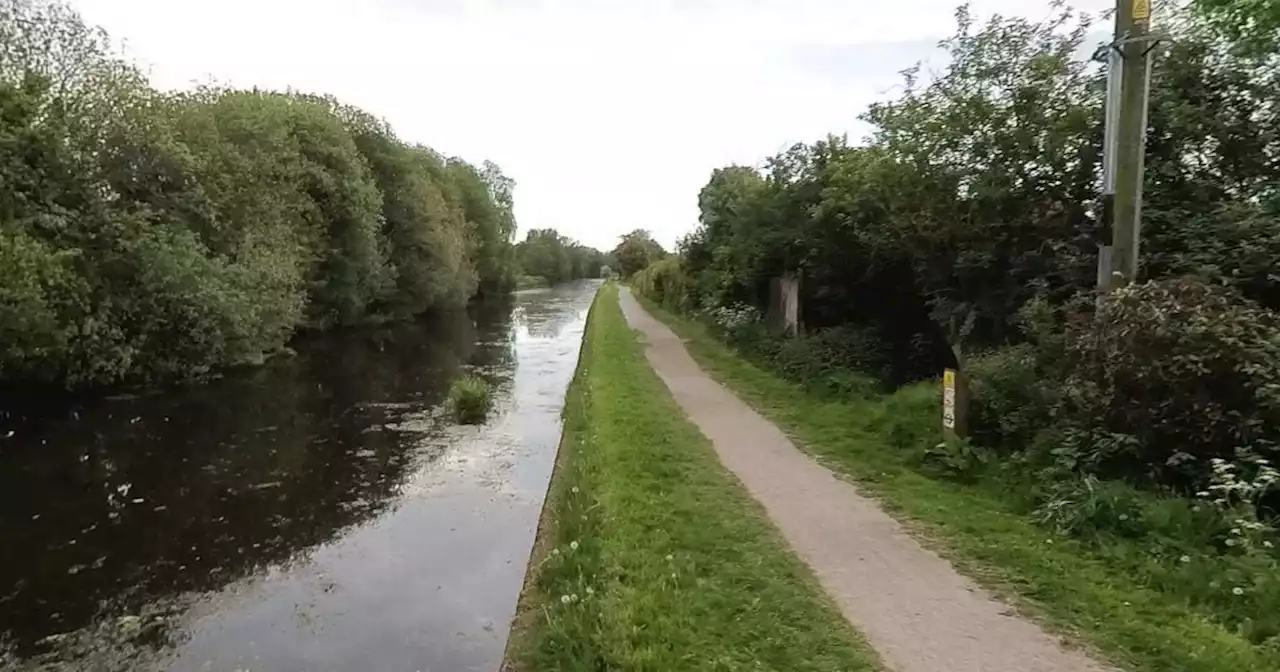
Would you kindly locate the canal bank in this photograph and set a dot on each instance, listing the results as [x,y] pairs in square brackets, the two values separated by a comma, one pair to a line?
[650,556]
[317,514]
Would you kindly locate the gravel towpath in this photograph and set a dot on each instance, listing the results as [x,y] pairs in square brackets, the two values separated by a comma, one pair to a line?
[912,605]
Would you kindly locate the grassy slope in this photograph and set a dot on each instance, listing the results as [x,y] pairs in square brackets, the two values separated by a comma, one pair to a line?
[675,566]
[1056,579]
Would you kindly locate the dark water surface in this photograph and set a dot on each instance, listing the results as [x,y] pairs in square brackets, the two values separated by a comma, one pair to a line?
[319,513]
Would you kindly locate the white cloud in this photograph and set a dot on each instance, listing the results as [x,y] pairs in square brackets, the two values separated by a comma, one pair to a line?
[610,116]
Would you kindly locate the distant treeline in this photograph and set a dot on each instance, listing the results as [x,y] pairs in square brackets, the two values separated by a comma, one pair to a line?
[546,257]
[151,235]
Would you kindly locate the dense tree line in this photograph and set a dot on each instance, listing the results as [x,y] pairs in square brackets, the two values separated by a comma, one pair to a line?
[149,235]
[546,257]
[969,221]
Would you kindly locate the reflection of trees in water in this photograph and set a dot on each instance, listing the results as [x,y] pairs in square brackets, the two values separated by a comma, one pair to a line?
[494,356]
[546,315]
[132,502]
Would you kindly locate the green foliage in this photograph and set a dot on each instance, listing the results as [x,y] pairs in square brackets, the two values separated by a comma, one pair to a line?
[842,361]
[910,422]
[967,223]
[1168,375]
[960,459]
[484,198]
[665,282]
[635,252]
[1254,25]
[1009,403]
[150,235]
[470,398]
[554,258]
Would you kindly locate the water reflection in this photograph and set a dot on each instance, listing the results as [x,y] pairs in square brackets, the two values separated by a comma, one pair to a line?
[310,499]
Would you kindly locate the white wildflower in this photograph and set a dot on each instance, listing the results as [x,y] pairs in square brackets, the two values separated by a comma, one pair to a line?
[1185,558]
[591,591]
[574,489]
[1237,591]
[573,545]
[564,599]
[670,557]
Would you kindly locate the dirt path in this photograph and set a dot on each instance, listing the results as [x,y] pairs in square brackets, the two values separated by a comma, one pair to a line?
[913,607]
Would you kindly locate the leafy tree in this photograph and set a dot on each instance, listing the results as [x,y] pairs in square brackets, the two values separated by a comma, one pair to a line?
[968,220]
[635,251]
[147,235]
[1253,24]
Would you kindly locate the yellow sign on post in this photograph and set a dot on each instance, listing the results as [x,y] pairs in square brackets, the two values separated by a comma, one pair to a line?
[1141,10]
[949,399]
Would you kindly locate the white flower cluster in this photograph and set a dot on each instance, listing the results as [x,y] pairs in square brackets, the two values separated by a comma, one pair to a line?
[1228,487]
[734,317]
[1237,495]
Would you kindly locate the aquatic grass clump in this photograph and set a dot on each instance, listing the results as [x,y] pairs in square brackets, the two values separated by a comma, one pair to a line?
[470,399]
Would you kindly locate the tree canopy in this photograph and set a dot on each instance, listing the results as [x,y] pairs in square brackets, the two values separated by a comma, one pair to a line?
[149,235]
[635,251]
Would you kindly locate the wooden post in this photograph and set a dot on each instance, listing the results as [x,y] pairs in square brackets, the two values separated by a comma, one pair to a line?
[955,405]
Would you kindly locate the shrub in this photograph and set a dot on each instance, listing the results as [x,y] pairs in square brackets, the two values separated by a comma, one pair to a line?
[1165,376]
[470,399]
[961,459]
[1008,403]
[1085,507]
[840,360]
[913,415]
[665,283]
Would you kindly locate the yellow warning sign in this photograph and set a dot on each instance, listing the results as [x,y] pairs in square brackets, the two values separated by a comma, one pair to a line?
[1141,10]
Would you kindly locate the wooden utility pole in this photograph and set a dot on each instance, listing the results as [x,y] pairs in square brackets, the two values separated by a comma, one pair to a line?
[1134,43]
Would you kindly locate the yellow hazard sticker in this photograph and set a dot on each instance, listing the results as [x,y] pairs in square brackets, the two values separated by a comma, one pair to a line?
[1141,10]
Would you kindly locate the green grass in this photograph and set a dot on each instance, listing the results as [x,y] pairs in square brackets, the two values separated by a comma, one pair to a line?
[650,556]
[1096,594]
[470,398]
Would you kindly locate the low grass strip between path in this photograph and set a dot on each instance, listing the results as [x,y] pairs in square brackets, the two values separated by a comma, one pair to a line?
[1063,583]
[650,556]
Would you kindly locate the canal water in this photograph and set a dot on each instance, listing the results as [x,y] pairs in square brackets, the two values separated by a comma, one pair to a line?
[318,513]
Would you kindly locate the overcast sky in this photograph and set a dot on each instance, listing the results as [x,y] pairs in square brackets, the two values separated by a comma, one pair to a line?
[608,119]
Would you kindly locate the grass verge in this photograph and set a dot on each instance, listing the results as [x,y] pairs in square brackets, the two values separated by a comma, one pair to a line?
[650,556]
[1087,592]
